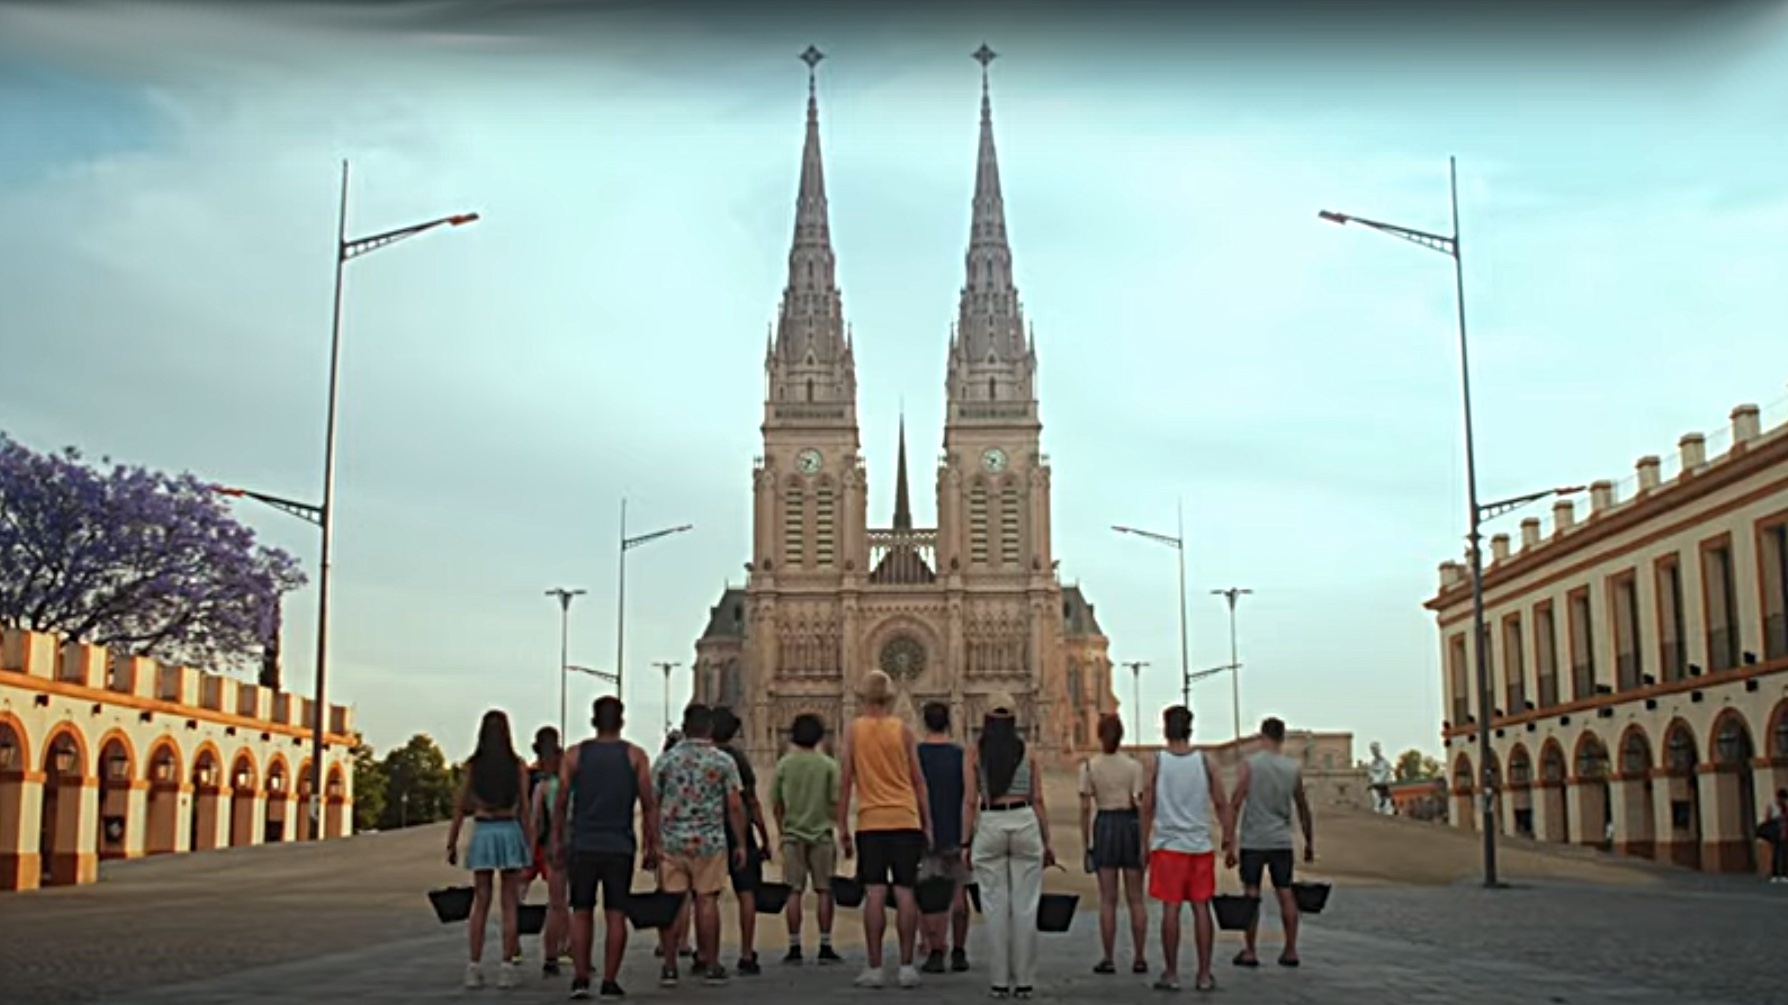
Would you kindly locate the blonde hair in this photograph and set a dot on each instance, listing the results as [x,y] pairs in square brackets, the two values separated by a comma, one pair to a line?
[877,688]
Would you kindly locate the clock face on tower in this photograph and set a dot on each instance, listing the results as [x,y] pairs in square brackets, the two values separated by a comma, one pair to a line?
[994,460]
[808,461]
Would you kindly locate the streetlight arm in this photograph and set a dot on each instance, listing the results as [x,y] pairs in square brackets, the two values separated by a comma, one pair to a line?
[354,249]
[1492,510]
[302,510]
[633,542]
[606,675]
[1214,671]
[1448,246]
[1172,542]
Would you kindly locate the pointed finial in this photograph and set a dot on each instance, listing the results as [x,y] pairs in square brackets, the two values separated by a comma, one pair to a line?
[984,56]
[812,58]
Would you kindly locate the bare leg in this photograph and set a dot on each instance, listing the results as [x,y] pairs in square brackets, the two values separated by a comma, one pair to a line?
[670,939]
[556,937]
[707,928]
[1204,933]
[614,944]
[1170,941]
[1250,937]
[511,901]
[583,938]
[793,911]
[481,885]
[825,914]
[906,922]
[1139,915]
[959,918]
[1288,918]
[747,925]
[1108,882]
[875,923]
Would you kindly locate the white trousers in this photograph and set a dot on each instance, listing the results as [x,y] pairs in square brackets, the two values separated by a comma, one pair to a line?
[1008,858]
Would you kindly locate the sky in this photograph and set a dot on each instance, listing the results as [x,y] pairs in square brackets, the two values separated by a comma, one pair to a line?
[169,183]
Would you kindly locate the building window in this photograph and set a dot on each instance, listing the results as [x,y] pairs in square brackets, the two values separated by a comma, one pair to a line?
[824,526]
[1672,654]
[1456,672]
[1624,595]
[1545,655]
[1009,525]
[1592,759]
[794,508]
[1514,664]
[1719,592]
[1583,652]
[978,523]
[1774,553]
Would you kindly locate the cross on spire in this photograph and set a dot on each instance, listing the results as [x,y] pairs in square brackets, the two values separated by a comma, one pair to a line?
[985,57]
[812,58]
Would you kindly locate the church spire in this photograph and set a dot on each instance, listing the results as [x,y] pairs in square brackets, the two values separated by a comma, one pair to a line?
[811,326]
[903,510]
[990,321]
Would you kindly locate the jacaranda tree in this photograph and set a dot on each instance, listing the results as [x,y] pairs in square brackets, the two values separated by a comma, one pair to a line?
[138,561]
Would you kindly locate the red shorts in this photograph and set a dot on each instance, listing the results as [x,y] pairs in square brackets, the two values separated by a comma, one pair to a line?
[1176,877]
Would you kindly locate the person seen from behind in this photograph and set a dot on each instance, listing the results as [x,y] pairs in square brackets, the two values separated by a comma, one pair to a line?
[940,758]
[1268,786]
[878,758]
[1774,830]
[1180,798]
[1002,807]
[543,787]
[698,798]
[754,842]
[1111,831]
[804,797]
[601,781]
[494,794]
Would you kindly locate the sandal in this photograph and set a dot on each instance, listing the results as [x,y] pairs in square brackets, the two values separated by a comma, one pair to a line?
[1141,966]
[1242,959]
[1104,967]
[1205,984]
[1022,993]
[998,992]
[1288,961]
[1166,984]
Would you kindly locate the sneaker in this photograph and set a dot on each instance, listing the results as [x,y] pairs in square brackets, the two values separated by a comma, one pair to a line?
[667,976]
[580,989]
[794,955]
[611,992]
[908,977]
[871,978]
[506,975]
[549,968]
[715,974]
[474,976]
[749,967]
[959,960]
[828,955]
[934,962]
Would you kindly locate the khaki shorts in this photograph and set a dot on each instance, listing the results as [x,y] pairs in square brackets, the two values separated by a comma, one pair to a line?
[946,865]
[702,875]
[808,864]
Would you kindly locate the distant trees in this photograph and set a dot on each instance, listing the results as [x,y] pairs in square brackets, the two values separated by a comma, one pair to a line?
[1413,765]
[138,561]
[413,784]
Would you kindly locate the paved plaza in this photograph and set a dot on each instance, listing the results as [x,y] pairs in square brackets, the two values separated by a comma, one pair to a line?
[347,922]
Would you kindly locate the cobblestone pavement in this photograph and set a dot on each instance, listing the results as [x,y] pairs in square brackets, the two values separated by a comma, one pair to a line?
[1464,946]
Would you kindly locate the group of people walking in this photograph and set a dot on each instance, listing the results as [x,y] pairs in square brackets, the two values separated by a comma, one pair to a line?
[913,811]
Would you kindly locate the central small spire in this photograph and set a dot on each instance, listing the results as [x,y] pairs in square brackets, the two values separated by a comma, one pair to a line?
[903,510]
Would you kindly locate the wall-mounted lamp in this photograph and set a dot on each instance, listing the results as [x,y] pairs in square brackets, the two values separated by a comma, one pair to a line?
[118,767]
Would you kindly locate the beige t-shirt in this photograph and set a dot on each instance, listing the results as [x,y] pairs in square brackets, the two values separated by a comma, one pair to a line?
[1113,780]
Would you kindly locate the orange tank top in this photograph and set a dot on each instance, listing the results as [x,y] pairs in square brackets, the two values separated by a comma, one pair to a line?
[886,800]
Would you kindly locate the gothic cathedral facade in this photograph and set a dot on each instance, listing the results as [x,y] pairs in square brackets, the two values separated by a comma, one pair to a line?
[952,613]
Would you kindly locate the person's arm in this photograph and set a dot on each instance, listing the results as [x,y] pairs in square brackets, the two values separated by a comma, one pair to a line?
[1225,815]
[1305,821]
[1244,777]
[459,817]
[1086,805]
[735,812]
[522,799]
[648,805]
[1041,811]
[777,806]
[971,800]
[1148,803]
[757,820]
[846,778]
[562,805]
[920,789]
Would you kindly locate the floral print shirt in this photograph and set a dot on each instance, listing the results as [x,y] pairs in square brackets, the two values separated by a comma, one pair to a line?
[692,780]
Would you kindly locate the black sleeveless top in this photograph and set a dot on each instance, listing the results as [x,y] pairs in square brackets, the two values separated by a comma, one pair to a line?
[604,792]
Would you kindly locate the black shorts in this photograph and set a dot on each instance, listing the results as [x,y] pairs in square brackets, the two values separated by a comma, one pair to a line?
[887,858]
[749,878]
[1276,862]
[612,872]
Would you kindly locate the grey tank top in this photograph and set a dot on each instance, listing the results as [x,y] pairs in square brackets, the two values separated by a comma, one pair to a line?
[1266,816]
[1020,787]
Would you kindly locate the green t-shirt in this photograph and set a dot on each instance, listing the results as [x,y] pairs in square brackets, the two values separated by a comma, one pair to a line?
[806,787]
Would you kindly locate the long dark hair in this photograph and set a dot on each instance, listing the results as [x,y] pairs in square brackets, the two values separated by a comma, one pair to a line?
[1002,751]
[494,768]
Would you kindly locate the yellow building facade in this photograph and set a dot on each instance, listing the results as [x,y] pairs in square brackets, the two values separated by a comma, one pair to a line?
[1638,656]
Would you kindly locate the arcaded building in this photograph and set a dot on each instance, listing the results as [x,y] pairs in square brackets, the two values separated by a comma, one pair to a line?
[1639,658]
[114,757]
[953,612]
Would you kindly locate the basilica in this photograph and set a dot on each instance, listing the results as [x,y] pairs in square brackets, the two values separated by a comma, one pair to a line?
[954,612]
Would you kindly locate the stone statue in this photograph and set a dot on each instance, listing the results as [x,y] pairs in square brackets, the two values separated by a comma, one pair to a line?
[1378,777]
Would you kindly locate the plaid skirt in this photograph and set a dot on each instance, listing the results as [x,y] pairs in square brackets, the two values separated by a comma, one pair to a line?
[1117,840]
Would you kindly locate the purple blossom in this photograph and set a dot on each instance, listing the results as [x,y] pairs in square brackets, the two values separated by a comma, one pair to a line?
[139,561]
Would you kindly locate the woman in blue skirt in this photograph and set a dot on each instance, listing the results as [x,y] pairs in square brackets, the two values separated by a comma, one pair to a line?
[494,792]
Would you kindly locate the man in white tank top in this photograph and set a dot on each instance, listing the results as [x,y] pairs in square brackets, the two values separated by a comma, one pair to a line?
[1183,793]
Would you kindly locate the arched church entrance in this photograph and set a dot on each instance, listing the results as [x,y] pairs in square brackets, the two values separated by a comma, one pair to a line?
[59,820]
[161,836]
[1735,795]
[1680,761]
[117,777]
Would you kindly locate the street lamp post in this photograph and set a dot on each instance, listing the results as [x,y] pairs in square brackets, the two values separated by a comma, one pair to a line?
[667,667]
[324,514]
[1235,682]
[608,676]
[627,545]
[1177,543]
[565,596]
[1136,690]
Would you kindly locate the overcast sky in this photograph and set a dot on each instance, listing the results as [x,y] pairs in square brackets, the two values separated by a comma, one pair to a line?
[168,189]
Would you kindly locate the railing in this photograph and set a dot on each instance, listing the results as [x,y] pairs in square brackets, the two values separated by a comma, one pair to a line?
[1548,690]
[1722,648]
[1015,410]
[903,557]
[810,413]
[1626,671]
[1583,680]
[1775,636]
[1673,659]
